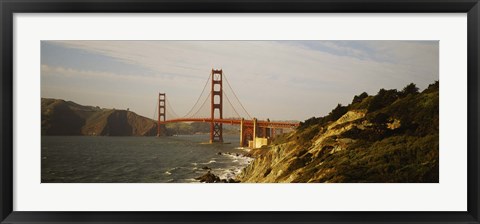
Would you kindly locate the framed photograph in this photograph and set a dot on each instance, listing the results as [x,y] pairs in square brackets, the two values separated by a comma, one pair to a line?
[241,112]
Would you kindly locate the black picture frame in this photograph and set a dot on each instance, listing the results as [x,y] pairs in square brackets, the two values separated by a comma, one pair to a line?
[9,7]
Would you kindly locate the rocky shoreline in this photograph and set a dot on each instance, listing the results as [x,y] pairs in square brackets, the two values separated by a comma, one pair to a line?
[210,177]
[391,137]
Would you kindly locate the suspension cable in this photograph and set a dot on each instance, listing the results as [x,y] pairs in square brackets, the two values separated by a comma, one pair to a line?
[155,111]
[171,108]
[232,106]
[250,117]
[204,87]
[203,104]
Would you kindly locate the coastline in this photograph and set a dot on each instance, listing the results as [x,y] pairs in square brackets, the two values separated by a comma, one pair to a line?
[230,174]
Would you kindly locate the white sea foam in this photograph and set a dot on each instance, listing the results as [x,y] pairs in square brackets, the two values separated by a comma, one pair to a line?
[243,148]
[239,162]
[169,171]
[209,162]
[191,180]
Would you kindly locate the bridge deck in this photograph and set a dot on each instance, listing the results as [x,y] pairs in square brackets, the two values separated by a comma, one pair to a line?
[248,123]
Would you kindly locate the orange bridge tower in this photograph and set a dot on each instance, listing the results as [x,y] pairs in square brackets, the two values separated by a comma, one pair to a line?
[216,106]
[162,113]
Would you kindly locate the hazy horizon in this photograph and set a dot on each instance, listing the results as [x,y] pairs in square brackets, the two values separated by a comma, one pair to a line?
[280,80]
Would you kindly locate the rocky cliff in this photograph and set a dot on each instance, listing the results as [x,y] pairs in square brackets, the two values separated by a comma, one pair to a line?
[60,117]
[390,137]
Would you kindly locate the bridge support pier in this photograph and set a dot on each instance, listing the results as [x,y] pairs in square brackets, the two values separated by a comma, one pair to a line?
[266,131]
[246,133]
[242,138]
[254,137]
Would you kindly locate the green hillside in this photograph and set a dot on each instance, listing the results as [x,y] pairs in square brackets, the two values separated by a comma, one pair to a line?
[392,136]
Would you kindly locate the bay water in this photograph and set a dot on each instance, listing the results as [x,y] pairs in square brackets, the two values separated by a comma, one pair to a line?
[172,159]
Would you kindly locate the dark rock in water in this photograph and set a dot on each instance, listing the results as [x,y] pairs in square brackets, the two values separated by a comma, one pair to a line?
[212,178]
[206,168]
[219,153]
[236,154]
[208,178]
[230,180]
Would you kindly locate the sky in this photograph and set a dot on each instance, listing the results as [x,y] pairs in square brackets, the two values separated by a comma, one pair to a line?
[279,80]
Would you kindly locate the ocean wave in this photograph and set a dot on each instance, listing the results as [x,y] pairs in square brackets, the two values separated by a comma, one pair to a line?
[209,162]
[229,173]
[237,163]
[169,171]
[238,158]
[191,180]
[243,148]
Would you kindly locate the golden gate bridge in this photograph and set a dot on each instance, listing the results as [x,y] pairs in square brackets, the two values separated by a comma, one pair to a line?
[253,132]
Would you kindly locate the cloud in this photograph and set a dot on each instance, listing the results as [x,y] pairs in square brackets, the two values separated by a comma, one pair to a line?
[276,79]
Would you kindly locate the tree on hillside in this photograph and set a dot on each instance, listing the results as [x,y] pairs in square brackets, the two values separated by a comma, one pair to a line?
[432,87]
[359,98]
[409,89]
[337,112]
[382,99]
